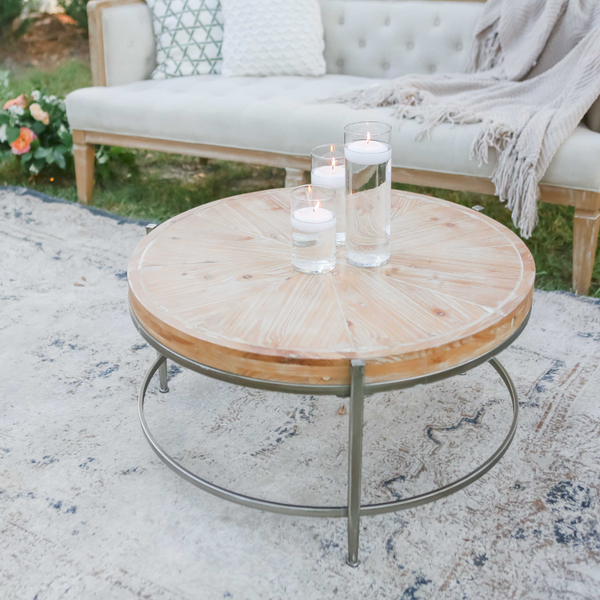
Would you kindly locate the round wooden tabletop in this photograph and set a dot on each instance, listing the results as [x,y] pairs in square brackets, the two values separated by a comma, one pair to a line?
[215,285]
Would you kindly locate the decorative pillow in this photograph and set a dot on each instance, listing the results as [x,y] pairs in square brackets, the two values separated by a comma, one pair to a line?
[273,37]
[188,34]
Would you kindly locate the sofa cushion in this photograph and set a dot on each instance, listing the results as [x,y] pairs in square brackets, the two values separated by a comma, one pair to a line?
[285,115]
[188,37]
[272,37]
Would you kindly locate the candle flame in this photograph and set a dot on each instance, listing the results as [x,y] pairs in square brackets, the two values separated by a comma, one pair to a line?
[331,148]
[368,137]
[333,163]
[316,206]
[308,192]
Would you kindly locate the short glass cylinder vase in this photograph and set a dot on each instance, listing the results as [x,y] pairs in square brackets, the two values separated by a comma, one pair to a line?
[328,169]
[368,155]
[313,220]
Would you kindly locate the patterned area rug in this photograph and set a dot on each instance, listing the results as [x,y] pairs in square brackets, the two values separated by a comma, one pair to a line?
[88,511]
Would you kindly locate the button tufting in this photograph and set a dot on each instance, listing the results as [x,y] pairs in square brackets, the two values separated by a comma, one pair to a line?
[341,21]
[410,45]
[385,66]
[459,46]
[340,62]
[387,21]
[432,69]
[361,43]
[437,22]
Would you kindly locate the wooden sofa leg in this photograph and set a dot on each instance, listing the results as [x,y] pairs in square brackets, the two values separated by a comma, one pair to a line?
[295,177]
[585,239]
[84,167]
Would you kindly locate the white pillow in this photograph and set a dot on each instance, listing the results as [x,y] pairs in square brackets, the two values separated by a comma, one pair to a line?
[188,34]
[272,37]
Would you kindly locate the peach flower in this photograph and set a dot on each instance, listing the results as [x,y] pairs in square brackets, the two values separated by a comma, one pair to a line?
[18,101]
[23,143]
[38,114]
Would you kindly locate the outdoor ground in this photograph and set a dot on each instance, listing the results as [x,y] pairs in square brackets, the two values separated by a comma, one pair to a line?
[52,55]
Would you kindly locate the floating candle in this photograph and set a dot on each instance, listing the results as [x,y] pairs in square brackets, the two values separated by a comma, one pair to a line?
[313,219]
[334,177]
[367,152]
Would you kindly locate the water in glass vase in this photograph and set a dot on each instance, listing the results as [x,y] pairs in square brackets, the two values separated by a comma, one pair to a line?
[313,240]
[368,208]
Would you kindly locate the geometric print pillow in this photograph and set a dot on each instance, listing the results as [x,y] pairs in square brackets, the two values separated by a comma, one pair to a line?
[189,35]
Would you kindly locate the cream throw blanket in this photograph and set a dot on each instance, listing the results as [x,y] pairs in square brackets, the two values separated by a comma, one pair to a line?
[533,74]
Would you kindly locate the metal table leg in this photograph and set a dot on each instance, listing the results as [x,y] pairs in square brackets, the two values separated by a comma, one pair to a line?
[162,370]
[162,374]
[355,442]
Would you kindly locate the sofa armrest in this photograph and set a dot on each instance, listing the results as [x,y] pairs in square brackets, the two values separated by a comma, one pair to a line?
[122,47]
[592,119]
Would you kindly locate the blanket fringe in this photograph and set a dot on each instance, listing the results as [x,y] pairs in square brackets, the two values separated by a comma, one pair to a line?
[384,94]
[429,115]
[486,51]
[516,181]
[491,135]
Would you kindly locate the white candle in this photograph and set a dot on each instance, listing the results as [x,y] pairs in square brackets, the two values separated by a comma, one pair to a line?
[334,177]
[313,220]
[367,152]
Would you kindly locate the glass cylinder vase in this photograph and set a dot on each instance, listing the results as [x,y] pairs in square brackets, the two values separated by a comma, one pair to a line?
[328,169]
[368,155]
[313,221]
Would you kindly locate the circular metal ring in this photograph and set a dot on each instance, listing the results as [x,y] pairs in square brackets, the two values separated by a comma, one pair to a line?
[335,511]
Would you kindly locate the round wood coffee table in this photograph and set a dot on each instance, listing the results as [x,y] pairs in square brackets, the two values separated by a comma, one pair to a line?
[213,289]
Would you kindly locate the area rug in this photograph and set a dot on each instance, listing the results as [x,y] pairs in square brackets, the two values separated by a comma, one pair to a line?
[88,511]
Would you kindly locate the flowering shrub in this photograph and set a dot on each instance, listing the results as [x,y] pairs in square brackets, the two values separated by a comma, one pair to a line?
[35,128]
[77,10]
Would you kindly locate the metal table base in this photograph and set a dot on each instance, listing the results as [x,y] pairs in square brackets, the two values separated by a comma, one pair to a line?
[357,390]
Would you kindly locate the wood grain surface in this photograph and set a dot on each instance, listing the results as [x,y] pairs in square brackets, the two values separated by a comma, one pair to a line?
[215,284]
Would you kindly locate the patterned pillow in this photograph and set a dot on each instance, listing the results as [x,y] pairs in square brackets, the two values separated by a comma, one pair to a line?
[273,37]
[188,37]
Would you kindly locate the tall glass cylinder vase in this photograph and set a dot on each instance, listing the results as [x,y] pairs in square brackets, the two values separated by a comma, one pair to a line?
[368,155]
[328,169]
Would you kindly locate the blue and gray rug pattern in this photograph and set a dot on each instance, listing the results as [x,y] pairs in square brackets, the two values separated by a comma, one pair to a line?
[88,511]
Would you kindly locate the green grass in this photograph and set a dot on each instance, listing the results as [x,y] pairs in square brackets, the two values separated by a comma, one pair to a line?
[65,78]
[165,185]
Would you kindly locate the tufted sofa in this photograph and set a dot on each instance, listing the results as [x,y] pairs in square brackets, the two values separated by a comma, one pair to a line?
[276,121]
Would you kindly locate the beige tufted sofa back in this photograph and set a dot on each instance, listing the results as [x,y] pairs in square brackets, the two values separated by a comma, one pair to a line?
[390,38]
[367,38]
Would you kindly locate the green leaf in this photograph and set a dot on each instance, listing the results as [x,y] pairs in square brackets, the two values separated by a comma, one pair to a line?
[103,171]
[50,156]
[4,118]
[66,138]
[41,152]
[26,157]
[12,133]
[38,127]
[60,160]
